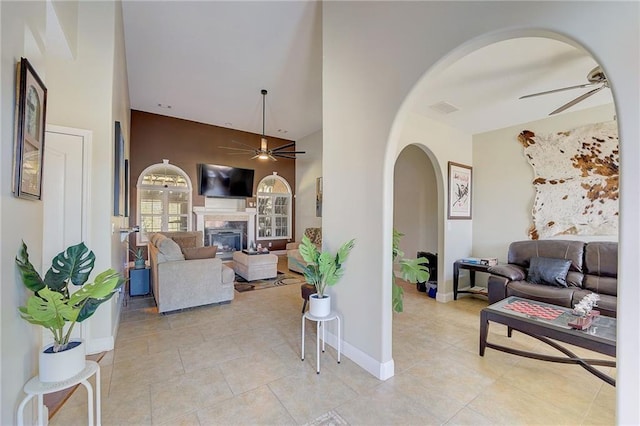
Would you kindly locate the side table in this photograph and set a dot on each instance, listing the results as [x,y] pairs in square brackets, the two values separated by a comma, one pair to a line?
[472,267]
[35,387]
[320,322]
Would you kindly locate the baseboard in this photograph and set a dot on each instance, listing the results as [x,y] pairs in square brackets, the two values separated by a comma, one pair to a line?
[102,344]
[382,371]
[444,297]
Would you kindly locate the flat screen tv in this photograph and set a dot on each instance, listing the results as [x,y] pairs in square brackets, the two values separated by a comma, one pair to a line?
[225,181]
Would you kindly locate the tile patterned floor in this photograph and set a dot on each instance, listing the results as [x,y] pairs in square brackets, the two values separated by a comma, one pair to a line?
[239,364]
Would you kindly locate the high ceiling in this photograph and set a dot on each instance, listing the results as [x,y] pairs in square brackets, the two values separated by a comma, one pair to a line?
[209,60]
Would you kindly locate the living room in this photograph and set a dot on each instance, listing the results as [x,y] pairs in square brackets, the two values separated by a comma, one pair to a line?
[346,136]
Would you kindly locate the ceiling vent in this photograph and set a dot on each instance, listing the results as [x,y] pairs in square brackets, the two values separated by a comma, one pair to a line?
[443,108]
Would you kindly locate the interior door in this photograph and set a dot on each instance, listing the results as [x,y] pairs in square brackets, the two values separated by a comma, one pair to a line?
[64,192]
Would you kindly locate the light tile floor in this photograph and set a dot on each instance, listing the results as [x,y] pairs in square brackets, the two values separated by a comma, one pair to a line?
[239,363]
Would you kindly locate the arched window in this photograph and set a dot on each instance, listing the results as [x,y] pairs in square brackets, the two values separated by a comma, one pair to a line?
[164,200]
[274,208]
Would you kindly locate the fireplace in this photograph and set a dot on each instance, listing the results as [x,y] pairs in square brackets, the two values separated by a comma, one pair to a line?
[227,240]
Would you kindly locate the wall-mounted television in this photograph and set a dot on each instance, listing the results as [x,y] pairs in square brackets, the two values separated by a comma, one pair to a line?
[225,181]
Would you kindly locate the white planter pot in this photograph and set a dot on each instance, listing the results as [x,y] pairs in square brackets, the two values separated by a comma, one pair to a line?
[60,366]
[319,307]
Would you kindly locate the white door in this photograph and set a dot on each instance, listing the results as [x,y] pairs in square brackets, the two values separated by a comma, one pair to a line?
[64,192]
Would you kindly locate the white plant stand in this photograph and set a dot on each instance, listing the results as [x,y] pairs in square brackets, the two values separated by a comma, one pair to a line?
[35,387]
[320,322]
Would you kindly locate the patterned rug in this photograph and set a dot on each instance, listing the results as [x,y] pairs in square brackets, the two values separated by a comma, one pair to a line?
[282,279]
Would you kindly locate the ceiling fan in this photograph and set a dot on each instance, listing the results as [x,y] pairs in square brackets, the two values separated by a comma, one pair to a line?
[264,153]
[596,77]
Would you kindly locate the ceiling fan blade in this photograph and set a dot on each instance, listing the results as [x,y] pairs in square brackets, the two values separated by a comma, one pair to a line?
[237,149]
[280,155]
[289,145]
[578,99]
[290,152]
[579,86]
[253,148]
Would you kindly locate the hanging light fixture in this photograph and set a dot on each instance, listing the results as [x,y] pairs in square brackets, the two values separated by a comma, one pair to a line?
[264,153]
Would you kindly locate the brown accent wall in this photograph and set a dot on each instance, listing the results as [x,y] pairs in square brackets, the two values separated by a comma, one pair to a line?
[187,143]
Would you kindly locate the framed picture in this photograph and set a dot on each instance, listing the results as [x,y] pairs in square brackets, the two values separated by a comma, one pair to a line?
[459,191]
[126,188]
[319,197]
[118,173]
[31,108]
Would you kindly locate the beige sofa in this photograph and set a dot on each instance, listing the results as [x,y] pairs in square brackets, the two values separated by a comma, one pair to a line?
[179,283]
[294,259]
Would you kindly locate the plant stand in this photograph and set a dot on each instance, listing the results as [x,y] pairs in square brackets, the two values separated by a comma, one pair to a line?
[34,387]
[320,322]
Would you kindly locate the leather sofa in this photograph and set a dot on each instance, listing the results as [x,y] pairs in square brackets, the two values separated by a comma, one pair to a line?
[593,269]
[294,259]
[179,283]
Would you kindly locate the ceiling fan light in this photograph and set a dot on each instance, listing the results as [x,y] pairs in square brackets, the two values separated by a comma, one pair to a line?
[263,156]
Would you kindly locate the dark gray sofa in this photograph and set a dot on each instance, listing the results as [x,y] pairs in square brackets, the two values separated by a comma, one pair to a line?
[594,268]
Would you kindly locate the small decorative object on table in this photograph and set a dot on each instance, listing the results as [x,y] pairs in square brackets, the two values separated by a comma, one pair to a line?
[586,313]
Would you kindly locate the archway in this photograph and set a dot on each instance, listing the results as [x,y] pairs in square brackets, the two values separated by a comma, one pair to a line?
[446,143]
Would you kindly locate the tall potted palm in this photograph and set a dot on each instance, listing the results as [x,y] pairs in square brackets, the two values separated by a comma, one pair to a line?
[322,269]
[56,308]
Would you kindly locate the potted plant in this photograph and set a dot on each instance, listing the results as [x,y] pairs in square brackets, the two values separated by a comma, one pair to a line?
[322,269]
[138,258]
[55,307]
[411,270]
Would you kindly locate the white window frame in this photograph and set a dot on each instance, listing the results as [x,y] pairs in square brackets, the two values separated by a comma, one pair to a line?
[159,168]
[273,216]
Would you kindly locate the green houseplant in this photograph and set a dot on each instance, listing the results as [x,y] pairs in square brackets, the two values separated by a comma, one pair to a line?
[322,269]
[411,270]
[54,307]
[138,258]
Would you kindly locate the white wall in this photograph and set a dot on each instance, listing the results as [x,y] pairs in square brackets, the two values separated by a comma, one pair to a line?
[503,190]
[82,91]
[374,54]
[308,169]
[21,25]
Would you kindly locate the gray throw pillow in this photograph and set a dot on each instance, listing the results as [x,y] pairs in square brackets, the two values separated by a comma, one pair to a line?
[548,271]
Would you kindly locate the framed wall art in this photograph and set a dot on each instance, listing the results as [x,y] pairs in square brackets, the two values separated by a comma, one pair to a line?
[459,191]
[31,108]
[118,173]
[319,197]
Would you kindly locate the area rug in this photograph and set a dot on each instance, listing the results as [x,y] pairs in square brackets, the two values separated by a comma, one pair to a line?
[282,279]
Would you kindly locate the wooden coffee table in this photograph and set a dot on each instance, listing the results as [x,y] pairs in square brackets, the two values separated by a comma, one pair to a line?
[550,322]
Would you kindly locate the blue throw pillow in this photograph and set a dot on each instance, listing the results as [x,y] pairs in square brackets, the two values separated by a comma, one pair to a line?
[548,271]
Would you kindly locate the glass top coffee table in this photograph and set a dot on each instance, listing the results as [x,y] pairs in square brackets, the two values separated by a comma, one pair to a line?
[544,322]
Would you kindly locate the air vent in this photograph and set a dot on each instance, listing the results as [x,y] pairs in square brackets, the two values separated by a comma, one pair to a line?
[443,108]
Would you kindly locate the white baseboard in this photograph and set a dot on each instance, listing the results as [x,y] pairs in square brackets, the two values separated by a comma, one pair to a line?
[444,297]
[382,371]
[102,344]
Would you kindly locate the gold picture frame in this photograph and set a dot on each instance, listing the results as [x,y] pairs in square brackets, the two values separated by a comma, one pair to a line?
[31,108]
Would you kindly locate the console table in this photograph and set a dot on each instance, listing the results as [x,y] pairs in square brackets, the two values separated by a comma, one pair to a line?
[472,267]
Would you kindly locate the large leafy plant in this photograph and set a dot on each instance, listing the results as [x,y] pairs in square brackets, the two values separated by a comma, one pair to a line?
[411,270]
[52,305]
[323,268]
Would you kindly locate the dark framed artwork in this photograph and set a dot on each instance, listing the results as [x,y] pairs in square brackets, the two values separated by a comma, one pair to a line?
[126,187]
[319,197]
[31,109]
[118,173]
[459,206]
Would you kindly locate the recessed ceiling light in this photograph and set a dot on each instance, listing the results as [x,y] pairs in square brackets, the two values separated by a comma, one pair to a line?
[165,106]
[228,124]
[283,131]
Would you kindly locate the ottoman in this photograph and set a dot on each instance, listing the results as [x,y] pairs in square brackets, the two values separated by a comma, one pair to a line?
[255,266]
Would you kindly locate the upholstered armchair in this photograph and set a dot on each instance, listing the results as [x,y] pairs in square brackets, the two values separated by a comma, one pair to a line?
[294,259]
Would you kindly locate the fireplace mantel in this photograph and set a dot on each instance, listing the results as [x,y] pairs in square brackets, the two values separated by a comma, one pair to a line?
[204,214]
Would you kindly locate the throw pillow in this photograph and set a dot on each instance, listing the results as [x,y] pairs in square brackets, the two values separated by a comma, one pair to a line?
[548,271]
[207,252]
[185,242]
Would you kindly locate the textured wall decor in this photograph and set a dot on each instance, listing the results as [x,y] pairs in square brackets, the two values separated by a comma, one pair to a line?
[576,180]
